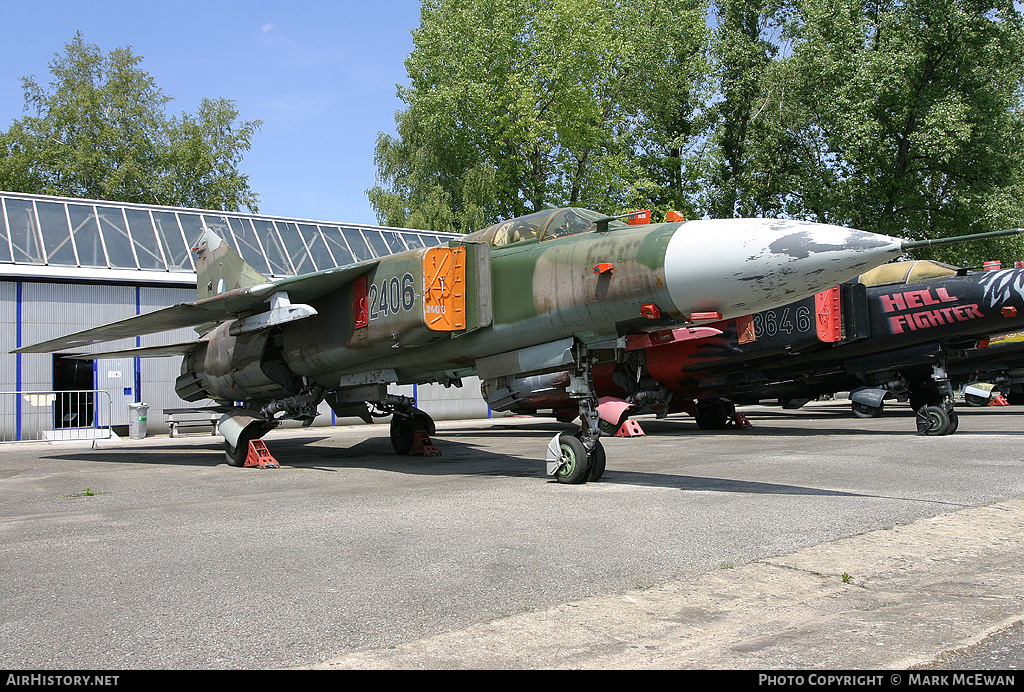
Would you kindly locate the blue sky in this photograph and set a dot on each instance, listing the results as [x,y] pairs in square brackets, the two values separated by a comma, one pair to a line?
[321,76]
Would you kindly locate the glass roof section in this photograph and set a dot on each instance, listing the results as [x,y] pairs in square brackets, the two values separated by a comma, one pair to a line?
[37,230]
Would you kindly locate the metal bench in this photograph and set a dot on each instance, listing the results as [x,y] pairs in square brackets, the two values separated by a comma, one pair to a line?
[180,420]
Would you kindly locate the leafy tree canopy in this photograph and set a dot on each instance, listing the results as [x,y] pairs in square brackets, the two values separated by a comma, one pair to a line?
[99,130]
[901,117]
[518,104]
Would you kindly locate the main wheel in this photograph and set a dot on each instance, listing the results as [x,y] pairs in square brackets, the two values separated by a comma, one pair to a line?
[715,414]
[933,420]
[403,431]
[576,464]
[954,422]
[866,410]
[236,456]
[597,458]
[597,462]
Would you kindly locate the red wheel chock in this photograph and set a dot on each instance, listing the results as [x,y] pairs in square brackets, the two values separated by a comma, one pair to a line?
[421,444]
[630,428]
[259,456]
[739,421]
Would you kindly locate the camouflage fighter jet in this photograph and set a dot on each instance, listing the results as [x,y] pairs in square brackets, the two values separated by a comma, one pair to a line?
[535,294]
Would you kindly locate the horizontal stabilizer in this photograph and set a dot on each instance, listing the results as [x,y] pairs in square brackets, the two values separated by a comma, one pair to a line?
[163,351]
[225,306]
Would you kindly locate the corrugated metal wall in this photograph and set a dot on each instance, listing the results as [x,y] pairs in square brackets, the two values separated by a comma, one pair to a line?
[8,335]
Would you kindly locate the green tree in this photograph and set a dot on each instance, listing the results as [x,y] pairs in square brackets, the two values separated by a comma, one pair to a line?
[916,105]
[895,116]
[518,104]
[749,114]
[99,130]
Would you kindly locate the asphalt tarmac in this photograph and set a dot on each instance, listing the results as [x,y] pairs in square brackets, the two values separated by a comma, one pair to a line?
[810,541]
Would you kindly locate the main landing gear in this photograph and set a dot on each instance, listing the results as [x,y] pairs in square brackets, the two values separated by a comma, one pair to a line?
[930,396]
[407,427]
[240,427]
[411,428]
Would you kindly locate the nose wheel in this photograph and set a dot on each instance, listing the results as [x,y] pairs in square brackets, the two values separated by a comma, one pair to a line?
[933,405]
[936,420]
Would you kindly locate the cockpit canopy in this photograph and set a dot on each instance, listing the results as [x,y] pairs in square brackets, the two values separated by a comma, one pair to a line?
[541,225]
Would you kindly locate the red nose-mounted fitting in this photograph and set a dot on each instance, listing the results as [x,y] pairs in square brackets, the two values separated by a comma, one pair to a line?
[650,311]
[705,316]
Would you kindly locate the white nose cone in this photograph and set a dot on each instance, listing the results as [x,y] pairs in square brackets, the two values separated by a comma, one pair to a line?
[742,266]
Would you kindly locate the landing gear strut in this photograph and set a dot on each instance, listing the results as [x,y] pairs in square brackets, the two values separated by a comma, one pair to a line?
[579,457]
[933,405]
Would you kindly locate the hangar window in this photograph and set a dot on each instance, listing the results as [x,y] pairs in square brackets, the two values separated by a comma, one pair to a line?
[21,220]
[171,240]
[376,242]
[246,241]
[85,228]
[53,221]
[315,247]
[5,237]
[65,232]
[293,247]
[114,230]
[358,244]
[337,246]
[144,237]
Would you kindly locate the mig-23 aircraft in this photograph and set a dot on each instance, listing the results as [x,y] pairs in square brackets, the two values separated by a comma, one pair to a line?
[534,294]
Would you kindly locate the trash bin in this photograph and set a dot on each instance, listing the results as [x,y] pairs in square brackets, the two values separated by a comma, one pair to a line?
[137,420]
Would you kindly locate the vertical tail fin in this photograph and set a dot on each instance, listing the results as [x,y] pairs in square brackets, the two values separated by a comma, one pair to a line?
[219,268]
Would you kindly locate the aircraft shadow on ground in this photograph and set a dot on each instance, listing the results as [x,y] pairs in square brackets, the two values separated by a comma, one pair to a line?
[685,427]
[458,457]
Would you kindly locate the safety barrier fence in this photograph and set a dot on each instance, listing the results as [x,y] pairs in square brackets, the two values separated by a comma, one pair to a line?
[55,415]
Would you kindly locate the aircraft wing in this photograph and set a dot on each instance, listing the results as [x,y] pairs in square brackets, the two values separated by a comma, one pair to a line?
[225,306]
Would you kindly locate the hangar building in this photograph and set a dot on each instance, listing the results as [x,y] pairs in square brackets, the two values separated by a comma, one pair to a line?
[68,264]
